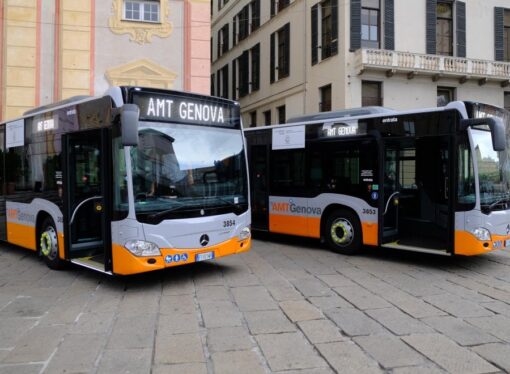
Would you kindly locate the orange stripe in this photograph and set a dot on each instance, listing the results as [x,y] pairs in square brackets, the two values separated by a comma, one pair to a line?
[92,45]
[21,235]
[38,56]
[124,263]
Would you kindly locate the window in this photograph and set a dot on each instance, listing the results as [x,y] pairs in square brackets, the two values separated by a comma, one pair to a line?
[325,97]
[222,3]
[325,24]
[222,82]
[444,28]
[267,118]
[370,24]
[278,6]
[281,114]
[506,34]
[287,171]
[246,21]
[445,95]
[247,68]
[223,40]
[213,88]
[371,93]
[280,50]
[253,119]
[507,101]
[146,11]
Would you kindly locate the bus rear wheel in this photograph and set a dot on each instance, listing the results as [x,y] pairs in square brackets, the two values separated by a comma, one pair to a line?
[343,232]
[48,245]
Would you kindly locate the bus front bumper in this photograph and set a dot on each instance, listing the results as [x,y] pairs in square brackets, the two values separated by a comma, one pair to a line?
[125,263]
[466,244]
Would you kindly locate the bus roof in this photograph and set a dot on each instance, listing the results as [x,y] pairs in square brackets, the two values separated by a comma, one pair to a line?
[372,113]
[355,112]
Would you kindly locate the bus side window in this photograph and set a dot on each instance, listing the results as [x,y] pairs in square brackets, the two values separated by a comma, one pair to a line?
[316,173]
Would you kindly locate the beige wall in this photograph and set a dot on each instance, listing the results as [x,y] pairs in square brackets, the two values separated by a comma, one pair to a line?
[19,85]
[54,49]
[300,91]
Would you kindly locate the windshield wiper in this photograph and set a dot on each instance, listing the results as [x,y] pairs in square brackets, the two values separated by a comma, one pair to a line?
[490,207]
[162,213]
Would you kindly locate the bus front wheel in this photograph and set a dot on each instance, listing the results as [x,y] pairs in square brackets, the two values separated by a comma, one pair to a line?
[48,245]
[343,232]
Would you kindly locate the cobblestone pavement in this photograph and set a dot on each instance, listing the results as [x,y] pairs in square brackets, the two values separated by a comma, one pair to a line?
[287,306]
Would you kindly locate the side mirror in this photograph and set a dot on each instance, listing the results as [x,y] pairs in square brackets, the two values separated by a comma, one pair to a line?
[496,126]
[129,114]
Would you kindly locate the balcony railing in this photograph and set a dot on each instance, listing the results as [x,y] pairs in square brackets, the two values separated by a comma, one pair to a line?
[434,65]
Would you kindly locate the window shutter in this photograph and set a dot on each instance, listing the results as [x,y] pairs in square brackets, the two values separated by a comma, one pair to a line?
[234,31]
[460,9]
[255,21]
[286,55]
[272,58]
[219,46]
[235,88]
[273,8]
[499,44]
[315,33]
[244,73]
[355,25]
[218,83]
[334,27]
[226,35]
[431,27]
[255,67]
[389,24]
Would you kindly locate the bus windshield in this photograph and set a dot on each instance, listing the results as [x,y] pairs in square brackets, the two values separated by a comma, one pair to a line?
[493,171]
[182,171]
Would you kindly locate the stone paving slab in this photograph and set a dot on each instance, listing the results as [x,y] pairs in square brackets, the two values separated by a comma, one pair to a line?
[449,355]
[289,351]
[285,307]
[389,351]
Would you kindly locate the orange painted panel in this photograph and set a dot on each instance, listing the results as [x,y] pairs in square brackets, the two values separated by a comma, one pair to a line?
[293,225]
[466,244]
[21,235]
[124,263]
[370,233]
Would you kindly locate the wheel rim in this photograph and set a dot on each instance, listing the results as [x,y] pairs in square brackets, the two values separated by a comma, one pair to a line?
[49,243]
[342,232]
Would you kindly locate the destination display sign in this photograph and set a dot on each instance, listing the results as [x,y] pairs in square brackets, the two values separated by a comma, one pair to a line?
[186,109]
[341,129]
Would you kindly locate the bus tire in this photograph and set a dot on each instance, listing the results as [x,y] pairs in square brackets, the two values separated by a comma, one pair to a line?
[48,245]
[343,232]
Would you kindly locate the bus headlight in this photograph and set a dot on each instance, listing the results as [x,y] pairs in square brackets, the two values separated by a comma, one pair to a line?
[142,248]
[245,233]
[481,234]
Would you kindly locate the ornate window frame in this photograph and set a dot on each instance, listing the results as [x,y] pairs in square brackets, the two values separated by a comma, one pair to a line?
[140,31]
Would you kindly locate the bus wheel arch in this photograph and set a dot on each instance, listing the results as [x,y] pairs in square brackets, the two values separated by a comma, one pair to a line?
[341,229]
[47,241]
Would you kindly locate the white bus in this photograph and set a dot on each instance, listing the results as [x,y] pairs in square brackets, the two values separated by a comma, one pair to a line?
[133,181]
[433,180]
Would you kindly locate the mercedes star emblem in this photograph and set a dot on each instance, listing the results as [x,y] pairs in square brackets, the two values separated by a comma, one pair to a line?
[204,240]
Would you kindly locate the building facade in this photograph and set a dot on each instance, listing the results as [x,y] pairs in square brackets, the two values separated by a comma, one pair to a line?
[285,58]
[54,49]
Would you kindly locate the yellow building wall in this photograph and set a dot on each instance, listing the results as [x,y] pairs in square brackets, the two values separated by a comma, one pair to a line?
[19,83]
[75,37]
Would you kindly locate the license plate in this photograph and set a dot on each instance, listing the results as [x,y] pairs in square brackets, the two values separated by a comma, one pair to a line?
[204,256]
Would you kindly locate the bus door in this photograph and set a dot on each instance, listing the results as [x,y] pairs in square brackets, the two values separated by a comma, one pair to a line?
[86,178]
[259,190]
[417,187]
